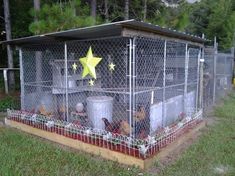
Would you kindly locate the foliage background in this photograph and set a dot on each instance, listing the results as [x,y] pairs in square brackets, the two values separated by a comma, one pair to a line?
[209,17]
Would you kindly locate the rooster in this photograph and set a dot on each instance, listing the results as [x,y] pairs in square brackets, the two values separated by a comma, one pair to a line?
[113,127]
[119,127]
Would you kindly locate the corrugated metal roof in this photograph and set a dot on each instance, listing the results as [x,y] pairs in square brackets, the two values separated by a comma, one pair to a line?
[101,31]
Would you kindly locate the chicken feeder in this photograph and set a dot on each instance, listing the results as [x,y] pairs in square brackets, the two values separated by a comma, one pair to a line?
[99,107]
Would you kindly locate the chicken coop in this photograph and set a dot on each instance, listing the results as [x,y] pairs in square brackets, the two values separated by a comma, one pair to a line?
[128,86]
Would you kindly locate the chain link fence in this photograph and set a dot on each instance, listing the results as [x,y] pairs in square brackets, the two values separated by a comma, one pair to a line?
[218,75]
[133,95]
[153,83]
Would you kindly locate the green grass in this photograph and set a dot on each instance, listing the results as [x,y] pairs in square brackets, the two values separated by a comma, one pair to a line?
[21,154]
[212,154]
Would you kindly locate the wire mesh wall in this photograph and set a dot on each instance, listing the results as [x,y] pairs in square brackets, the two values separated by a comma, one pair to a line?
[224,74]
[140,93]
[135,98]
[218,75]
[209,77]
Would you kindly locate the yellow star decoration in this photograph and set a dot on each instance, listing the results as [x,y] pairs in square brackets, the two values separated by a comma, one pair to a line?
[91,82]
[74,66]
[111,67]
[89,62]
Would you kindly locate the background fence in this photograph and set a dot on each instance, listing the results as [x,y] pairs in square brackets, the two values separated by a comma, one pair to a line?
[218,75]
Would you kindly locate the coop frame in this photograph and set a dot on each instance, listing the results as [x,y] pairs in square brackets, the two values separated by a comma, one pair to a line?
[132,31]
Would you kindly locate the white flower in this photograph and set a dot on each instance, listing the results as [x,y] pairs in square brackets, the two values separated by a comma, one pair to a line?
[151,140]
[33,118]
[69,125]
[88,132]
[188,119]
[107,136]
[143,149]
[50,124]
[23,116]
[167,130]
[180,124]
[129,141]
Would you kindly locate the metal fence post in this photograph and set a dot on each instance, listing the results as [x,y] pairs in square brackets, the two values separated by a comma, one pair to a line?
[198,78]
[39,67]
[186,76]
[201,80]
[134,78]
[164,85]
[130,86]
[21,79]
[5,80]
[66,80]
[214,70]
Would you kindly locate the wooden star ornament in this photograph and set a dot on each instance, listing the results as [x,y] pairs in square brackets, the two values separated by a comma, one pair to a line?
[89,63]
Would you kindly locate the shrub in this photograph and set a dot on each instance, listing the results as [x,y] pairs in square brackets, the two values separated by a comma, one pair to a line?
[9,102]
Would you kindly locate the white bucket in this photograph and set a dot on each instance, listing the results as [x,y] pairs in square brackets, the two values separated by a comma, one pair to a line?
[99,107]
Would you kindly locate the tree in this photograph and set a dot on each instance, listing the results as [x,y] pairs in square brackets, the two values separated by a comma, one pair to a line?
[214,19]
[8,37]
[56,17]
[36,4]
[106,11]
[221,23]
[38,54]
[145,10]
[126,17]
[93,8]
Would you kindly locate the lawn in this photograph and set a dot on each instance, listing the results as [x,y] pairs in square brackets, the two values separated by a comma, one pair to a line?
[212,154]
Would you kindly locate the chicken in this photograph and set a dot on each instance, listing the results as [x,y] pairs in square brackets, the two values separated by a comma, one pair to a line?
[125,128]
[113,127]
[120,127]
[140,114]
[43,111]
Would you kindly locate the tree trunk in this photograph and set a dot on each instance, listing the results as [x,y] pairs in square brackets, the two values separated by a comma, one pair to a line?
[126,10]
[73,6]
[93,8]
[145,10]
[106,9]
[9,49]
[36,4]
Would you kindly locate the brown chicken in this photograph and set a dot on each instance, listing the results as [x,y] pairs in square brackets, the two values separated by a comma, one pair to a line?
[119,127]
[42,110]
[140,114]
[125,128]
[112,127]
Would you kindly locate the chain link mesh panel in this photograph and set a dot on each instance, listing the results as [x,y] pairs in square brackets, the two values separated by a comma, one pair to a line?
[209,76]
[106,103]
[175,81]
[224,72]
[148,86]
[142,85]
[38,79]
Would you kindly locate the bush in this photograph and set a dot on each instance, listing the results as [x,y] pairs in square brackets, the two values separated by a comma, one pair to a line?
[9,102]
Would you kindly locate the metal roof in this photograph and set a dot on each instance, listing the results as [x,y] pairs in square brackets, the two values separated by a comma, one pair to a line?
[101,31]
